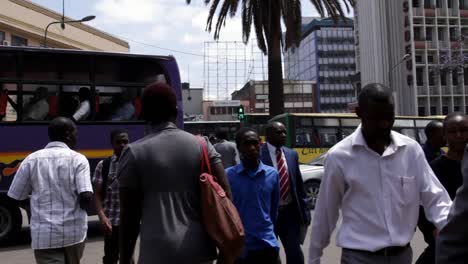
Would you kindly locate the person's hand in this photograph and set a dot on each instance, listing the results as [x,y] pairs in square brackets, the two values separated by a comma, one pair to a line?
[106,225]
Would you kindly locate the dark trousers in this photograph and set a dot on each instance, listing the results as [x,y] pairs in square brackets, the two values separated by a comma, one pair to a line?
[428,255]
[262,256]
[288,228]
[111,247]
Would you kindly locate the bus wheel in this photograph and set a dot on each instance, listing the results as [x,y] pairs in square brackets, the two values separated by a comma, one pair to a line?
[312,190]
[10,221]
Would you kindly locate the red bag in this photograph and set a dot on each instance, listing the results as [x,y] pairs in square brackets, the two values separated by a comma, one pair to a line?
[220,217]
[3,102]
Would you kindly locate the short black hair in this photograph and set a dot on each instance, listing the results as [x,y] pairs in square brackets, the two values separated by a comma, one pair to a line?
[159,103]
[376,93]
[222,135]
[432,127]
[59,128]
[241,133]
[270,127]
[452,115]
[117,132]
[85,93]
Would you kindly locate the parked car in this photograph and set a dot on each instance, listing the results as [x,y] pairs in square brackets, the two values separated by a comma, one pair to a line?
[312,176]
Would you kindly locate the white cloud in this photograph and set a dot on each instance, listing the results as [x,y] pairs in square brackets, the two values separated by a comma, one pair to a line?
[127,11]
[170,24]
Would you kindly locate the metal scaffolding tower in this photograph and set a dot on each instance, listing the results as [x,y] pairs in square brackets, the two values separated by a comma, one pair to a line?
[228,65]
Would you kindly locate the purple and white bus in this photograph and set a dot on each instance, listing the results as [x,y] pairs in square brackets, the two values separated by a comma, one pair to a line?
[112,79]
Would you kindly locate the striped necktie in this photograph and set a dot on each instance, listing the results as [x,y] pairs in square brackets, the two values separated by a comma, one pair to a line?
[283,175]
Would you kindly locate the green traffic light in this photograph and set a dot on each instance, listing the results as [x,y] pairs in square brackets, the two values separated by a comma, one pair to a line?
[241,113]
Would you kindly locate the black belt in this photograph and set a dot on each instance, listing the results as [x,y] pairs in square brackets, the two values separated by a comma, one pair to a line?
[388,251]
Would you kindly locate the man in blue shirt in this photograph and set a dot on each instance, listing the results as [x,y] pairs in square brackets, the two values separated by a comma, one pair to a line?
[255,191]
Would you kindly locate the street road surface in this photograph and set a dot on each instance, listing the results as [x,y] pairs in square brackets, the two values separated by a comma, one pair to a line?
[19,252]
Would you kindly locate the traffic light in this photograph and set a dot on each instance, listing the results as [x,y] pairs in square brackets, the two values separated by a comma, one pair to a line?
[240,113]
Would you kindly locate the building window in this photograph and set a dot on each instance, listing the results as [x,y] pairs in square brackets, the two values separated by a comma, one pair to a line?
[2,37]
[445,110]
[18,41]
[430,58]
[419,76]
[429,33]
[443,78]
[421,111]
[431,79]
[428,4]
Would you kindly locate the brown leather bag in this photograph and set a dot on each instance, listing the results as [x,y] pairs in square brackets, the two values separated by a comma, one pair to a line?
[220,217]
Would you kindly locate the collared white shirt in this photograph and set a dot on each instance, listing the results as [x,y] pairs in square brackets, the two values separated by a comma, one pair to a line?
[272,151]
[379,196]
[54,177]
[83,111]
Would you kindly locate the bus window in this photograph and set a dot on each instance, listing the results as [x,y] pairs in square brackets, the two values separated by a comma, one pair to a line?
[39,102]
[345,131]
[409,132]
[328,137]
[40,67]
[316,137]
[8,66]
[422,136]
[326,122]
[403,123]
[76,102]
[8,102]
[350,122]
[75,67]
[117,103]
[306,138]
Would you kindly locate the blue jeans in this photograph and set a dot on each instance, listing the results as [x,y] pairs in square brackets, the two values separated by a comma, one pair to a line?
[288,228]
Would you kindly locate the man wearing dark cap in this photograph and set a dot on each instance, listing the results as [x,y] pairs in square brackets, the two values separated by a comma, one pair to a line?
[377,178]
[159,187]
[58,180]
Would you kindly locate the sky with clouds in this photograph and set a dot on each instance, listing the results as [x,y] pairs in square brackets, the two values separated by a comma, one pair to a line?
[160,27]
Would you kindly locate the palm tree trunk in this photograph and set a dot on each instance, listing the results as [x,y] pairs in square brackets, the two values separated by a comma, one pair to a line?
[275,68]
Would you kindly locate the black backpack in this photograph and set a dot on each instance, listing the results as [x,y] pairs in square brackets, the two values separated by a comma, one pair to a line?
[105,175]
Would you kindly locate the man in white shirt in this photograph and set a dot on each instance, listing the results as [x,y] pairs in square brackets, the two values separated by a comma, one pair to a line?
[377,178]
[84,109]
[57,180]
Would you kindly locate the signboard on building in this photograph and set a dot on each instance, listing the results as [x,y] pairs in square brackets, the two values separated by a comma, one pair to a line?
[226,103]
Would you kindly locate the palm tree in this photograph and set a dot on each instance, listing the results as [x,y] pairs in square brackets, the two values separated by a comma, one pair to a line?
[266,15]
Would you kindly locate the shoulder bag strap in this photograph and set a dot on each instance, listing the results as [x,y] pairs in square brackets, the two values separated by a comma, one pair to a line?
[205,160]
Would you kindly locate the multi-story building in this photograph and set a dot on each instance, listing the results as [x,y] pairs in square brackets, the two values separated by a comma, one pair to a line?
[192,100]
[298,96]
[23,23]
[326,56]
[418,48]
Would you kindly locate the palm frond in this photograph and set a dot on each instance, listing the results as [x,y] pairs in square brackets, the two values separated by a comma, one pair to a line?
[333,8]
[222,18]
[260,12]
[292,18]
[233,7]
[211,14]
[246,20]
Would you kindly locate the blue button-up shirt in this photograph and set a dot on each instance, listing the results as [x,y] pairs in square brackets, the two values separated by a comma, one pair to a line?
[256,196]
